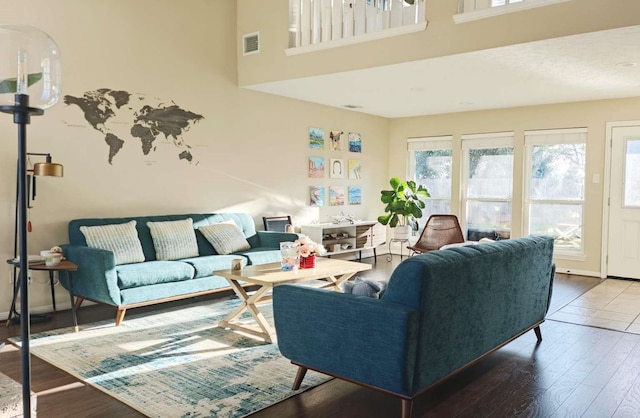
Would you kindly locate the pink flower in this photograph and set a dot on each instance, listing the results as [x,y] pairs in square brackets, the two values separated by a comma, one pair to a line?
[306,247]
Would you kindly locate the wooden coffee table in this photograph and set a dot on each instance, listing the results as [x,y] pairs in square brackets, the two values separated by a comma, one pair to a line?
[267,276]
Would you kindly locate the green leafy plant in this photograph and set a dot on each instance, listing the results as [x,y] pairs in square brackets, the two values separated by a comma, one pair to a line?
[404,203]
[10,85]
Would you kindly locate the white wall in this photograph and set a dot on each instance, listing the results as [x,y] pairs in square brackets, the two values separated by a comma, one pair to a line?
[252,148]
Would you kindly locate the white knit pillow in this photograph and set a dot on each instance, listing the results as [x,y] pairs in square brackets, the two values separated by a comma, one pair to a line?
[121,239]
[225,237]
[174,240]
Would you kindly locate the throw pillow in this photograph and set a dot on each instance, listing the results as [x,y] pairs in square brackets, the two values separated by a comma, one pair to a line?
[174,240]
[225,237]
[121,239]
[364,287]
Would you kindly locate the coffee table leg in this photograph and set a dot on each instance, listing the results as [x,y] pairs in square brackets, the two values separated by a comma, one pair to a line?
[249,305]
[73,305]
[335,282]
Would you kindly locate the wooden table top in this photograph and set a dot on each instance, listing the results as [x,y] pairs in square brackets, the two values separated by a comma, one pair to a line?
[272,274]
[64,265]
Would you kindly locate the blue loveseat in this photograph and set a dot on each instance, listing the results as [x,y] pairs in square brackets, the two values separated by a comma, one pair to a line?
[99,279]
[442,311]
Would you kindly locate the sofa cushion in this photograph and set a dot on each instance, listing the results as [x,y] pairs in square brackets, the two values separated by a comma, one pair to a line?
[153,272]
[205,266]
[121,239]
[174,240]
[225,237]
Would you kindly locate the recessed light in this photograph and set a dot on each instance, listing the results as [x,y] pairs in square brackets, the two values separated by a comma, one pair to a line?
[627,64]
[350,106]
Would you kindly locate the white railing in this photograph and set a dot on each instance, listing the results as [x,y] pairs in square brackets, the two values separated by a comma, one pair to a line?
[318,21]
[478,9]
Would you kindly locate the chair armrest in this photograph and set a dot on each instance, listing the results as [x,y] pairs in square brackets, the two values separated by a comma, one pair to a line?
[273,239]
[96,278]
[367,340]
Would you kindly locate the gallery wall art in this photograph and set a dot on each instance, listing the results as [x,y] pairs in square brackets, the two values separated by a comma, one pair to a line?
[334,165]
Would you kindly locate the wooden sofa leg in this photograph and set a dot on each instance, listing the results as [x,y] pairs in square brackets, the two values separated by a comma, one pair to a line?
[538,333]
[79,301]
[120,316]
[407,404]
[302,371]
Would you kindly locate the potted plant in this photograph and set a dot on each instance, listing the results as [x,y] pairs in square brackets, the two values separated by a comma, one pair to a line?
[404,206]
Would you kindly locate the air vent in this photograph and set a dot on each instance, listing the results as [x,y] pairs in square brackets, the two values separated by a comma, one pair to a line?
[251,43]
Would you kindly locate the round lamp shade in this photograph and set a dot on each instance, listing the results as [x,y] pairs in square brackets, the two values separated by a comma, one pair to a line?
[29,64]
[48,169]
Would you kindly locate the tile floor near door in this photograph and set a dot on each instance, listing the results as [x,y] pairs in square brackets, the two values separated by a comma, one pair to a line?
[613,304]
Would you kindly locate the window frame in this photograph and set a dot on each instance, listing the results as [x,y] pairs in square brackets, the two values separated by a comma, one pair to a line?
[545,137]
[483,141]
[433,143]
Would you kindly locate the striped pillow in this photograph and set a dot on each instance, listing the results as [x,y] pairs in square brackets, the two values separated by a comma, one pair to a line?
[225,237]
[174,240]
[121,239]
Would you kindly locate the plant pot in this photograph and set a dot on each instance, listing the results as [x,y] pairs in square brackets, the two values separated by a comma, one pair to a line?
[308,262]
[401,232]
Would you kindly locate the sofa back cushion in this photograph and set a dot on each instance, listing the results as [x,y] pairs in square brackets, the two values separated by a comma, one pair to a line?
[471,299]
[244,221]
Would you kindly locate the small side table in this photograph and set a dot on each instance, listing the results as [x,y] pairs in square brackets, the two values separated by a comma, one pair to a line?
[402,242]
[68,267]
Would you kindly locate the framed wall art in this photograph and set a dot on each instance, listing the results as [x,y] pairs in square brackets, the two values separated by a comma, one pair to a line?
[316,167]
[336,195]
[336,168]
[316,138]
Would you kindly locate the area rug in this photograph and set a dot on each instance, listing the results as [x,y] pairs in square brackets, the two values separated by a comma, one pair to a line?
[613,304]
[176,362]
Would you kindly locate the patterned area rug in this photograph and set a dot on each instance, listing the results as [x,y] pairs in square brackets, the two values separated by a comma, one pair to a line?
[176,363]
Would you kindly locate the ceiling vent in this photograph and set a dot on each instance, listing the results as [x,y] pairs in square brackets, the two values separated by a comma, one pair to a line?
[251,43]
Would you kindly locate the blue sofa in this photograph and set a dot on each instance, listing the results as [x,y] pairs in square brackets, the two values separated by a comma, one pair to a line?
[125,286]
[441,311]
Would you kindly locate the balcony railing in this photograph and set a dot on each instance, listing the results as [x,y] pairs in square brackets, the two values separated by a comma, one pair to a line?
[313,22]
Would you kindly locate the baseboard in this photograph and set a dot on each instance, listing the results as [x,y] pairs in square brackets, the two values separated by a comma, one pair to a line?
[578,272]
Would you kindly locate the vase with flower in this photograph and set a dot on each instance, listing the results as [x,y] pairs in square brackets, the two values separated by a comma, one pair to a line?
[308,250]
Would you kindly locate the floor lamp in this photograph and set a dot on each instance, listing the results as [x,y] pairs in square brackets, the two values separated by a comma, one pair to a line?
[30,82]
[49,169]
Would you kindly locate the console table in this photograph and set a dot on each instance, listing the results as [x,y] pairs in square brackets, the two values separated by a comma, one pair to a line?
[347,237]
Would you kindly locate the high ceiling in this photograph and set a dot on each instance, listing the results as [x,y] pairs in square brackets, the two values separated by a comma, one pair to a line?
[593,66]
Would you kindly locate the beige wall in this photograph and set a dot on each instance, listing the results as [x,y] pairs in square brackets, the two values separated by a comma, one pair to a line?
[252,148]
[442,36]
[592,115]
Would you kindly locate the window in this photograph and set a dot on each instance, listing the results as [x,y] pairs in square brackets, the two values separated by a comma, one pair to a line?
[496,3]
[430,161]
[488,177]
[555,181]
[632,174]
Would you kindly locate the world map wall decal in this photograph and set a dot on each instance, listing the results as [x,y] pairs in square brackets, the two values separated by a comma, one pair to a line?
[121,116]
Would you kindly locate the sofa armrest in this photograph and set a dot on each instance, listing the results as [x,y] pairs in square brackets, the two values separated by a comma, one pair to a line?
[367,340]
[272,239]
[96,278]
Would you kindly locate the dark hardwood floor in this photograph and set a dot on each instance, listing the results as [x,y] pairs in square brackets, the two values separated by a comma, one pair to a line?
[576,371]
